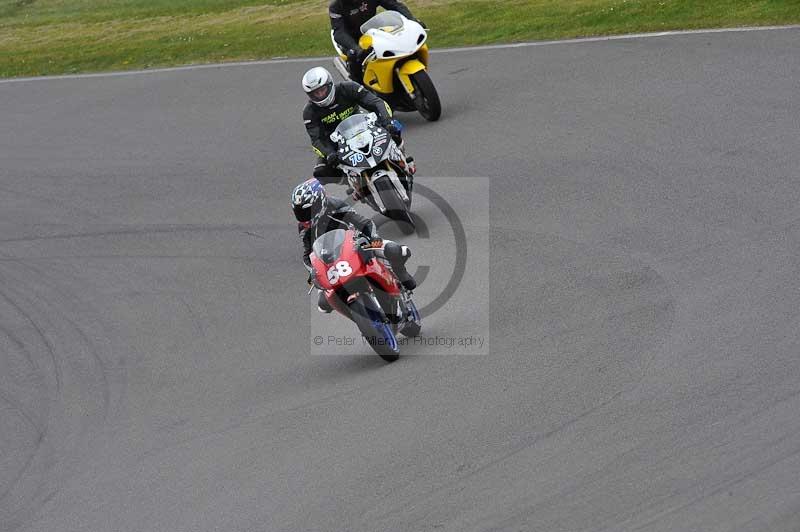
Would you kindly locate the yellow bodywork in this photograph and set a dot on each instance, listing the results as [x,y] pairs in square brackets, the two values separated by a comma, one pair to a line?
[378,74]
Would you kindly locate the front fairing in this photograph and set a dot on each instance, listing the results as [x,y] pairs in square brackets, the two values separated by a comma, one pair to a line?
[336,259]
[329,246]
[365,147]
[393,36]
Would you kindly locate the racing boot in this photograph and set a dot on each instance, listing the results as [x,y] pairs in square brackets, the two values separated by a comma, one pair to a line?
[411,166]
[397,256]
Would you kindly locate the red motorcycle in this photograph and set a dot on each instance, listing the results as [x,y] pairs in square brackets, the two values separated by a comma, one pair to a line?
[361,286]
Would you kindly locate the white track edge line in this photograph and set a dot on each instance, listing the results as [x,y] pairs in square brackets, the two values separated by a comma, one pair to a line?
[436,51]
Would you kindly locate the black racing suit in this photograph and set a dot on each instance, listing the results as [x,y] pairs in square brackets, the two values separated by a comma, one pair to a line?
[347,16]
[339,215]
[321,121]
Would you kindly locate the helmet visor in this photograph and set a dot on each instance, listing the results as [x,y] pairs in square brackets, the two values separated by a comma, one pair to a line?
[303,214]
[320,93]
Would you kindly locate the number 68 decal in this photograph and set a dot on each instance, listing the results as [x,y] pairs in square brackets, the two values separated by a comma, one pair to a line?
[341,269]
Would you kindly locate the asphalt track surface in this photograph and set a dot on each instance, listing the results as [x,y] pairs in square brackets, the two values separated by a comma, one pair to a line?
[641,255]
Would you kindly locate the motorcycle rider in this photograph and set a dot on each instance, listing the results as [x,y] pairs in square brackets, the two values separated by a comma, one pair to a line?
[347,16]
[330,103]
[317,213]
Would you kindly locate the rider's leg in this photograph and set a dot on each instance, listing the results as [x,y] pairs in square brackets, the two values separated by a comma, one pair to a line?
[326,174]
[401,144]
[398,255]
[354,68]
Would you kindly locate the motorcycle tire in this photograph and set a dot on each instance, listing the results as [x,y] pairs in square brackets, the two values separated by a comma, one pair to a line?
[396,208]
[427,99]
[378,334]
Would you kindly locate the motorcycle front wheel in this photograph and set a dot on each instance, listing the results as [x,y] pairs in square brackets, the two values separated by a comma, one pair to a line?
[426,99]
[396,208]
[378,334]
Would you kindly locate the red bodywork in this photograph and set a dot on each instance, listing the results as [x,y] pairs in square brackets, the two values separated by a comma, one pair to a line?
[373,269]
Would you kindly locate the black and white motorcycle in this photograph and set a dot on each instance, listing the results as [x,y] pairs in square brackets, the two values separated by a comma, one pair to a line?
[376,168]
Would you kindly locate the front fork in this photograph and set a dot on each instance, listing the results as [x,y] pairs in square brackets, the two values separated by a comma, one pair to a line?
[364,193]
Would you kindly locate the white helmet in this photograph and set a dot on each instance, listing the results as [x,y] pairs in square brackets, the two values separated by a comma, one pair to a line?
[319,86]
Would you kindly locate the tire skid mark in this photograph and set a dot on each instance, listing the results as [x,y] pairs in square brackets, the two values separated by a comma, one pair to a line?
[48,308]
[23,411]
[40,450]
[85,340]
[40,332]
[20,345]
[41,432]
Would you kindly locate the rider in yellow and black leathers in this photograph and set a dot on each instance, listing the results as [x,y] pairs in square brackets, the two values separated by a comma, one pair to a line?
[329,104]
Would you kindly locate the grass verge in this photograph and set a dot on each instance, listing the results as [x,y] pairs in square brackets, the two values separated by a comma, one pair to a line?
[45,37]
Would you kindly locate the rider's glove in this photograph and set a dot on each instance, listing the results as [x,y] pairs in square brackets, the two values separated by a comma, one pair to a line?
[357,56]
[392,128]
[332,159]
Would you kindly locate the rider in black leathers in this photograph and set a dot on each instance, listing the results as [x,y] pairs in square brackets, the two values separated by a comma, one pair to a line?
[347,16]
[318,213]
[329,104]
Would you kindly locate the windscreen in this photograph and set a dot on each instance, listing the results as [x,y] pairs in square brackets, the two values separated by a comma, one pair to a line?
[352,126]
[328,247]
[389,21]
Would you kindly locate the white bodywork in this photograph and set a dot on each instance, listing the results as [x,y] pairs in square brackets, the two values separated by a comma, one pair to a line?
[393,36]
[362,142]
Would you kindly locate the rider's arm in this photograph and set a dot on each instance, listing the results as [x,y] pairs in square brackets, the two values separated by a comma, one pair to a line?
[367,100]
[345,214]
[397,5]
[305,238]
[340,34]
[319,140]
[363,224]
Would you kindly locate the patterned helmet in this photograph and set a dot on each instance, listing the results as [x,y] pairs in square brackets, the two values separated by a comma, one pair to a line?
[308,202]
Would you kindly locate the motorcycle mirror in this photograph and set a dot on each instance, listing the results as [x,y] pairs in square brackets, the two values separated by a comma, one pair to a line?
[336,137]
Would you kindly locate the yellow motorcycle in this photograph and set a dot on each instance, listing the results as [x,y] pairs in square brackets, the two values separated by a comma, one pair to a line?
[396,67]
